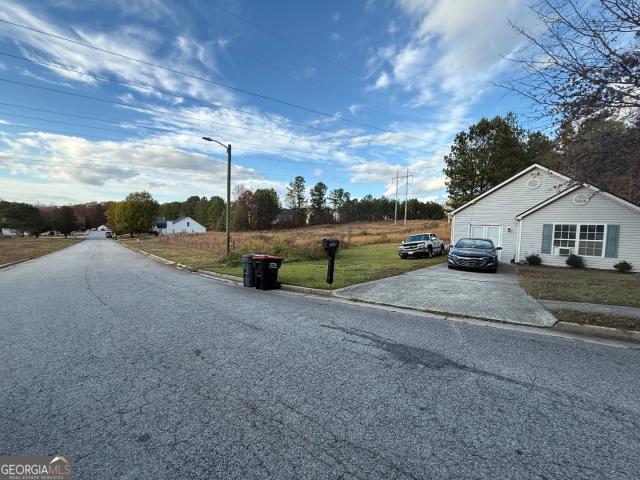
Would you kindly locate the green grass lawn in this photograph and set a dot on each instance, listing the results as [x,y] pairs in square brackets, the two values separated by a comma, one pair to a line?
[353,265]
[581,285]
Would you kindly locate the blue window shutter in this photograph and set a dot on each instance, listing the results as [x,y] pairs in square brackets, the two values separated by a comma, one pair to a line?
[613,237]
[547,231]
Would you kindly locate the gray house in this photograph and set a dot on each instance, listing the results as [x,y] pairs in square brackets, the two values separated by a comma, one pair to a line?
[542,211]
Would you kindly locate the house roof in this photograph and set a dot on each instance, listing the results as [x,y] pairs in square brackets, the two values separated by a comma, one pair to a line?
[187,218]
[558,196]
[507,181]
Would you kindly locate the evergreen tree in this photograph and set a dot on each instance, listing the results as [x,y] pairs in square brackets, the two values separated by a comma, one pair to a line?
[487,154]
[64,220]
[296,200]
[319,213]
[267,206]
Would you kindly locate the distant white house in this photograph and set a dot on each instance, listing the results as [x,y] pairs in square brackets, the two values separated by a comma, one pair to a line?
[544,212]
[181,225]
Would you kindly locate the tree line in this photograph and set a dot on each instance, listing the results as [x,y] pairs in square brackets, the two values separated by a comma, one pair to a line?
[25,218]
[263,209]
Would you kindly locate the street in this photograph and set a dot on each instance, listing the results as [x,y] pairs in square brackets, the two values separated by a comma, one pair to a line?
[137,370]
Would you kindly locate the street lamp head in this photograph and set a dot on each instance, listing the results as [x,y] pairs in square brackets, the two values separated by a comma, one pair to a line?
[208,139]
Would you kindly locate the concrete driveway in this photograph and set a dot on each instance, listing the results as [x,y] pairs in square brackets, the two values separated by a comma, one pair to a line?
[488,296]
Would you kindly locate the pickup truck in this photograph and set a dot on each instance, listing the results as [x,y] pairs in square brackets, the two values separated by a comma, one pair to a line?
[421,244]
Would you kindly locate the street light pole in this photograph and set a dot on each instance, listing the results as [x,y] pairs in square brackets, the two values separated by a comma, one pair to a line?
[228,215]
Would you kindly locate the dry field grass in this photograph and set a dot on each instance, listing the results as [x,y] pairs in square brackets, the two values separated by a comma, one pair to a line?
[305,242]
[20,248]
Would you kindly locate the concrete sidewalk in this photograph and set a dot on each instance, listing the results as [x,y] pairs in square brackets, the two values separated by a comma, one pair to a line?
[616,310]
[496,297]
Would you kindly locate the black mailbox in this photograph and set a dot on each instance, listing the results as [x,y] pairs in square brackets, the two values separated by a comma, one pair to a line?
[330,246]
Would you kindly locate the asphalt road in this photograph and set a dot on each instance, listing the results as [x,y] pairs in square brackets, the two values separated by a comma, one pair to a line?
[137,370]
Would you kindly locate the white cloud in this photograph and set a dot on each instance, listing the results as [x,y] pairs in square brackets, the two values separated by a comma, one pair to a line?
[335,36]
[92,168]
[336,17]
[453,49]
[384,80]
[318,172]
[355,108]
[132,41]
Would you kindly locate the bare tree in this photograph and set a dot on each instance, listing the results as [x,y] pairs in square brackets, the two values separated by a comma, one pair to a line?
[582,71]
[586,61]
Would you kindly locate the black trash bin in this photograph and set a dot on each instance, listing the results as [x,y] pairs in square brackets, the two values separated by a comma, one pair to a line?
[267,271]
[248,270]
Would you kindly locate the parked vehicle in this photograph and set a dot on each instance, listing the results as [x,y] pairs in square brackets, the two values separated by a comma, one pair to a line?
[421,245]
[108,235]
[474,253]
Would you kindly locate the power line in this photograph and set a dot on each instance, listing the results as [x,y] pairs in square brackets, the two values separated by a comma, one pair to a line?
[213,82]
[188,117]
[134,125]
[186,97]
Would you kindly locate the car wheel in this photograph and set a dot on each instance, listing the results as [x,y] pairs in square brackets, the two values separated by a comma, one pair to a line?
[495,270]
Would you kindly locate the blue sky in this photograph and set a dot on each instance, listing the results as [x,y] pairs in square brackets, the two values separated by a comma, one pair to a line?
[384,86]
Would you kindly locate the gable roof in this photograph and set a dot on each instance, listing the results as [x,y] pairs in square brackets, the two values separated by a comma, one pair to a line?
[186,218]
[507,181]
[558,196]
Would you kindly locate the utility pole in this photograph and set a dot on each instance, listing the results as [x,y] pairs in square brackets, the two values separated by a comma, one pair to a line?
[395,214]
[228,149]
[228,199]
[406,197]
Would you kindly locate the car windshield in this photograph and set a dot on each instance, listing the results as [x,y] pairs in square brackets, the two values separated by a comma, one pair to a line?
[474,243]
[415,238]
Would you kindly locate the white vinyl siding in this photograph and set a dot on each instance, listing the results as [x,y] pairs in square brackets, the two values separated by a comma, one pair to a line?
[501,207]
[595,215]
[183,225]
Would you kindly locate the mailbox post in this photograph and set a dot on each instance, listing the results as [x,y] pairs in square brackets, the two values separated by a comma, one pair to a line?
[330,246]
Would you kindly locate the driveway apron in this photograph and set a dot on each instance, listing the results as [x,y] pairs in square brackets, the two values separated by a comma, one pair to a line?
[489,296]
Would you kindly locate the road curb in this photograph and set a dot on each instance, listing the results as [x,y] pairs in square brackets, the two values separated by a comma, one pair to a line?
[15,262]
[222,276]
[307,290]
[600,332]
